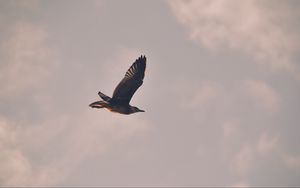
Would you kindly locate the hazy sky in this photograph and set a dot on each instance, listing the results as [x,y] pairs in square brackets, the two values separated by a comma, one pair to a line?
[221,93]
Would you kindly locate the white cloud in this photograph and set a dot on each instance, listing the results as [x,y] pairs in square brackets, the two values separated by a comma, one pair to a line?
[251,26]
[36,153]
[25,58]
[47,151]
[263,95]
[56,156]
[91,135]
[204,93]
[101,132]
[16,168]
[230,128]
[292,162]
[266,144]
[243,159]
[199,95]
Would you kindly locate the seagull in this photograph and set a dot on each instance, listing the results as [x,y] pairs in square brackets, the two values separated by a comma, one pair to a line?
[124,91]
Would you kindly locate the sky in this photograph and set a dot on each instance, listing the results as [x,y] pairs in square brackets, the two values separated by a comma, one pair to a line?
[221,93]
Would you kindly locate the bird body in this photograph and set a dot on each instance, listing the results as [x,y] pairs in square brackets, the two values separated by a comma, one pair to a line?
[115,107]
[124,91]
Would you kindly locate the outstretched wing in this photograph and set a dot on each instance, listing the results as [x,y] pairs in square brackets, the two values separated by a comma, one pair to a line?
[131,82]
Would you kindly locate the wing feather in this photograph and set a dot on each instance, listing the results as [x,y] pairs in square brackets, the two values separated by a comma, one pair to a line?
[131,82]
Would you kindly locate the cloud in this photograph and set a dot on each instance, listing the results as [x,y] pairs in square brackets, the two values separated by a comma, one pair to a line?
[16,167]
[243,159]
[47,153]
[200,94]
[49,143]
[263,95]
[292,162]
[204,93]
[25,59]
[230,128]
[266,144]
[266,32]
[100,132]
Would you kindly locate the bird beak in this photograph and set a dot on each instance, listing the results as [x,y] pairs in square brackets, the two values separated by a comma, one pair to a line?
[141,110]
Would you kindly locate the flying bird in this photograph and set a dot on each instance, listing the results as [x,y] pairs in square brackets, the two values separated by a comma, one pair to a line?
[124,91]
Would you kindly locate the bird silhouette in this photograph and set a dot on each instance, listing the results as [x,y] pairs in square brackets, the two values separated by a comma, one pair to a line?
[124,91]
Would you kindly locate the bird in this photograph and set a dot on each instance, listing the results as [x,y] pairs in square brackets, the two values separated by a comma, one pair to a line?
[119,102]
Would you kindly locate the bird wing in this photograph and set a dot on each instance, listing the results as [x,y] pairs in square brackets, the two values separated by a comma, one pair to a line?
[131,82]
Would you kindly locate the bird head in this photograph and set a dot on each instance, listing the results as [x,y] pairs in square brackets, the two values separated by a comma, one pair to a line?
[136,109]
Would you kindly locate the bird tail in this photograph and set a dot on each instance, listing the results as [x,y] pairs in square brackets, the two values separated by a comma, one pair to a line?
[103,96]
[98,104]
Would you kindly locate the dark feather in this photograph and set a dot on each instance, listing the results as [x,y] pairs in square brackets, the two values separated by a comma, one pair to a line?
[103,96]
[131,82]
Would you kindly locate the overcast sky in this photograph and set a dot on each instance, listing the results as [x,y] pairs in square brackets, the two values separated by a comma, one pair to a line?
[221,93]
